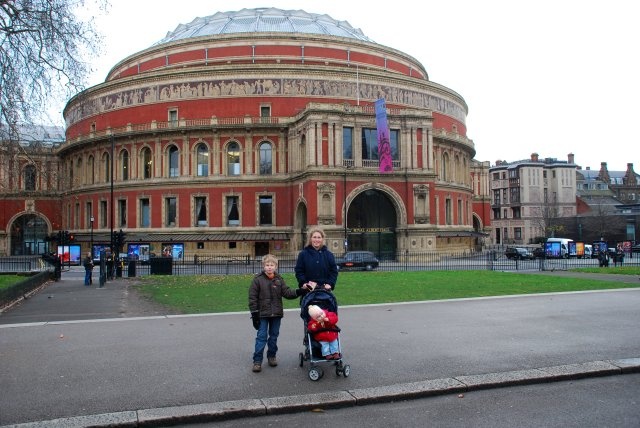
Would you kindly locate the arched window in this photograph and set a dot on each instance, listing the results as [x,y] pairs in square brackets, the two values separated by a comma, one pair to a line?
[233,159]
[174,162]
[147,163]
[124,162]
[202,160]
[79,170]
[445,167]
[107,167]
[91,170]
[265,158]
[30,177]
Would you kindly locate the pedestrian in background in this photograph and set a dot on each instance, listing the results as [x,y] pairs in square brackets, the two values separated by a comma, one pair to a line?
[88,269]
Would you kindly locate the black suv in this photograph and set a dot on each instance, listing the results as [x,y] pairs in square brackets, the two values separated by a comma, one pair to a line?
[518,253]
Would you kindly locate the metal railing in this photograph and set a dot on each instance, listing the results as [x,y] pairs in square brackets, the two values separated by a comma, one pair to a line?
[221,264]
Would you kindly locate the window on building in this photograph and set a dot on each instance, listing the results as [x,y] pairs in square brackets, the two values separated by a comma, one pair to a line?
[171,211]
[265,158]
[496,176]
[78,172]
[517,233]
[265,111]
[174,162]
[107,168]
[30,177]
[370,144]
[103,214]
[93,127]
[233,159]
[173,117]
[147,163]
[233,211]
[266,213]
[347,143]
[124,162]
[92,170]
[496,197]
[515,212]
[459,211]
[496,213]
[448,211]
[76,216]
[445,167]
[145,213]
[122,213]
[504,196]
[514,194]
[200,205]
[202,160]
[505,213]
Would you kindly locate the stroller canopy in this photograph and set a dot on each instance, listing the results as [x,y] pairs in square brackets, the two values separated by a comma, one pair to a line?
[322,298]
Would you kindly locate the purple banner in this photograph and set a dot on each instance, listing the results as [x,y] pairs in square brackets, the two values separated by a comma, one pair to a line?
[384,143]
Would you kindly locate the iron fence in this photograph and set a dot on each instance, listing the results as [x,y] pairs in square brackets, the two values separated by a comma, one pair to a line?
[217,264]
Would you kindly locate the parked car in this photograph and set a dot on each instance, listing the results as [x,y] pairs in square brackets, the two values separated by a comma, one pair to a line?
[538,253]
[518,253]
[365,260]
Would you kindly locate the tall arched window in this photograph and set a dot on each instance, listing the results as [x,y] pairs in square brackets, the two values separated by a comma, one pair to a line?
[265,158]
[79,173]
[174,161]
[91,170]
[233,159]
[202,160]
[30,177]
[124,165]
[107,167]
[445,167]
[147,163]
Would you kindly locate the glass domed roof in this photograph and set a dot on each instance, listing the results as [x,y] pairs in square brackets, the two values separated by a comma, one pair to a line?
[264,20]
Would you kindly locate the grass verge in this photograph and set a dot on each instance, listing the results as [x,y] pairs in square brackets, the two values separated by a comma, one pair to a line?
[212,293]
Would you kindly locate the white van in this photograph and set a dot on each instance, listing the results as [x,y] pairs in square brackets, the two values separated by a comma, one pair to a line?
[563,243]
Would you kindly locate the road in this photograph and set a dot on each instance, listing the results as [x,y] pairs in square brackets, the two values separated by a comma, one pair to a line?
[612,402]
[89,367]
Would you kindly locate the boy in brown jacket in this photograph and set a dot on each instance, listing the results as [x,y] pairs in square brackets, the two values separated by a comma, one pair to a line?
[265,304]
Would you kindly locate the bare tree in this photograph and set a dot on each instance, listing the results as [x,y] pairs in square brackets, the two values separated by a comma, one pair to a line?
[546,217]
[42,46]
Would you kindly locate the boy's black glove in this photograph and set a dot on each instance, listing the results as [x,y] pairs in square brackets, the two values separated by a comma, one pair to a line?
[301,291]
[255,318]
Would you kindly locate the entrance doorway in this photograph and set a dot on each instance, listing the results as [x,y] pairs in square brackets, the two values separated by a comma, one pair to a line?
[28,233]
[371,224]
[261,249]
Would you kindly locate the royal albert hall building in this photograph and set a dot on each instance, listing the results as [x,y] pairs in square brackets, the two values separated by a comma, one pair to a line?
[239,131]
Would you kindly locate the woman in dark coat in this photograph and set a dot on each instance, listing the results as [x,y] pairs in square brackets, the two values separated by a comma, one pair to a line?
[316,265]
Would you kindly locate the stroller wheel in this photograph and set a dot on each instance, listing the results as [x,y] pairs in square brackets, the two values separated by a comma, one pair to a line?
[346,370]
[338,370]
[301,359]
[315,373]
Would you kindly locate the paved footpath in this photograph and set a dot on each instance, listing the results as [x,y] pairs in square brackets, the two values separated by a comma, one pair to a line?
[75,356]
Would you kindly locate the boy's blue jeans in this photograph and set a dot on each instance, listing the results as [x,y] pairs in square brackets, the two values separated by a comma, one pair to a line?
[267,336]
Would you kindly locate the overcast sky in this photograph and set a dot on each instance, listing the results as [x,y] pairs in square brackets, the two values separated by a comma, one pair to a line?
[548,76]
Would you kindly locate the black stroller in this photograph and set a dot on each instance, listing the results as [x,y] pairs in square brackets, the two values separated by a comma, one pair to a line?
[312,349]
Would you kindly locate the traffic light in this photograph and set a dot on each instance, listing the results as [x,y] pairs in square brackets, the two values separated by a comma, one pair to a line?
[119,239]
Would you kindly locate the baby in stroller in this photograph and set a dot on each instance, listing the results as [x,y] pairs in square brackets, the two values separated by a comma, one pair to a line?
[319,311]
[323,328]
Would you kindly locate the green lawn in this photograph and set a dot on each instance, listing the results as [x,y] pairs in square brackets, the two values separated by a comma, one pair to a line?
[211,293]
[7,281]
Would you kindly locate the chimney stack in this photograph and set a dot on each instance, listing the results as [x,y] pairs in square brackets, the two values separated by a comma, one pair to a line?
[571,158]
[534,157]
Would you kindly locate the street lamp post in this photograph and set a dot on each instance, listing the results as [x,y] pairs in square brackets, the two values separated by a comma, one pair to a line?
[91,241]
